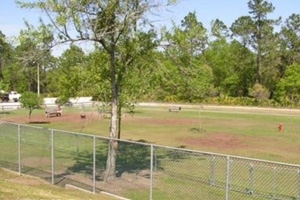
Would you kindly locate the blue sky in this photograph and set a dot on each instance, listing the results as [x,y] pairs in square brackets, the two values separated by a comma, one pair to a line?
[228,10]
[12,17]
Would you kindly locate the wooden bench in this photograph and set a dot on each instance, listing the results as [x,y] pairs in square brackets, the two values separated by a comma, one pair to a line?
[174,108]
[53,112]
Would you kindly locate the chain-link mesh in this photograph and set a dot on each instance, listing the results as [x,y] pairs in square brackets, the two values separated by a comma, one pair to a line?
[73,160]
[132,169]
[182,174]
[9,146]
[252,179]
[143,171]
[35,149]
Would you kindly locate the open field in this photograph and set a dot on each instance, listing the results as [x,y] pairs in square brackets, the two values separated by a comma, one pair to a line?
[250,132]
[14,186]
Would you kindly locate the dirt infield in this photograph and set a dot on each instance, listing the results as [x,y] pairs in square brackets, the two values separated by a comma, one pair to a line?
[219,140]
[41,118]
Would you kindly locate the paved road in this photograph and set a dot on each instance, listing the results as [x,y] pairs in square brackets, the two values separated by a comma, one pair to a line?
[232,109]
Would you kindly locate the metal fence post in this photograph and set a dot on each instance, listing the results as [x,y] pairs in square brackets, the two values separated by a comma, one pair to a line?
[94,164]
[227,177]
[19,147]
[151,173]
[52,156]
[298,183]
[212,170]
[251,179]
[274,181]
[155,162]
[77,146]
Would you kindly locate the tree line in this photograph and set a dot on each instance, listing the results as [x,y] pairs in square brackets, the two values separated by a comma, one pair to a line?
[255,57]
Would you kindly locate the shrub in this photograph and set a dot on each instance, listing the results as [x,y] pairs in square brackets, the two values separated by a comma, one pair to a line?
[259,92]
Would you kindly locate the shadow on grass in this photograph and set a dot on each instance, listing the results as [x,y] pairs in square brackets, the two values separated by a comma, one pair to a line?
[39,122]
[197,130]
[5,113]
[131,158]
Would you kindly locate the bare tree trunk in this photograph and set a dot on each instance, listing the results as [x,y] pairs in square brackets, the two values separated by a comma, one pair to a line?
[110,172]
[113,144]
[29,115]
[119,120]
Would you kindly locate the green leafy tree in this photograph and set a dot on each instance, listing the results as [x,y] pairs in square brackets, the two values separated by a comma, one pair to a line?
[31,53]
[232,67]
[290,41]
[242,77]
[3,86]
[6,62]
[289,86]
[187,78]
[107,23]
[261,32]
[133,53]
[30,101]
[242,28]
[96,74]
[67,80]
[256,32]
[3,48]
[219,29]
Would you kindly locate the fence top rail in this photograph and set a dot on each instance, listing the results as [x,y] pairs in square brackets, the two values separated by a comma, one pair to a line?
[229,156]
[162,146]
[16,124]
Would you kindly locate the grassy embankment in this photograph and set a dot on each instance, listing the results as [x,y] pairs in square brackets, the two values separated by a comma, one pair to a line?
[14,186]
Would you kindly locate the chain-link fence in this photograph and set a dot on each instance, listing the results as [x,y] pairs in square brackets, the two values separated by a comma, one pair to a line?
[143,171]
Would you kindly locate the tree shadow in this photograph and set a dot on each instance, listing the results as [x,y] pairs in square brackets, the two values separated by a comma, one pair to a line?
[131,158]
[5,112]
[197,130]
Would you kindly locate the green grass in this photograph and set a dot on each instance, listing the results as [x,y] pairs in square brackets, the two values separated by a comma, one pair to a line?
[256,129]
[251,133]
[14,186]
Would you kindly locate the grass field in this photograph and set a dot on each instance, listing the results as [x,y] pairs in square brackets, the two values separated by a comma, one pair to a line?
[14,186]
[251,132]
